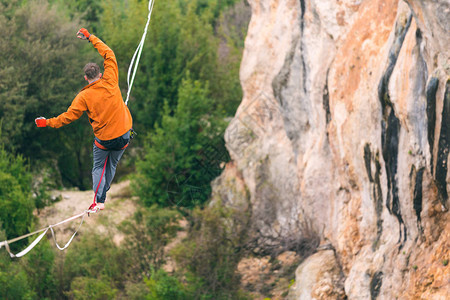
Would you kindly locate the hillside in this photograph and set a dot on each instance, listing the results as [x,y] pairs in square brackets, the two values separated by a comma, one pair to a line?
[119,206]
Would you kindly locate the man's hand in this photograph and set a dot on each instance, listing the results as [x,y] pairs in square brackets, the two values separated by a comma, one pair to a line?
[41,122]
[83,34]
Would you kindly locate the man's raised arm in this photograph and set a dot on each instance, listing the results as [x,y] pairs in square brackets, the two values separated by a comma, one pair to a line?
[111,70]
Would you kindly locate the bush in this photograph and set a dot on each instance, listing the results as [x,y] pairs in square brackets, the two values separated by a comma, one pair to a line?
[181,38]
[87,288]
[146,237]
[95,256]
[40,267]
[162,286]
[136,291]
[16,204]
[174,171]
[211,252]
[40,38]
[13,279]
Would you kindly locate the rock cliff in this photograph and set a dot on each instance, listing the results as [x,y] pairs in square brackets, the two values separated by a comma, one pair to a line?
[343,135]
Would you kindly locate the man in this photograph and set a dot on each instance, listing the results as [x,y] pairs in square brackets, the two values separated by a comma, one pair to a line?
[109,116]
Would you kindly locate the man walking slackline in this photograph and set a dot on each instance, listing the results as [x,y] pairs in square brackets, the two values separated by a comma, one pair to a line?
[109,116]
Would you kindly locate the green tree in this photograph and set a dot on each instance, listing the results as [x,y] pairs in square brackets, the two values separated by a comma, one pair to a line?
[181,38]
[40,73]
[39,265]
[162,286]
[147,235]
[159,73]
[173,171]
[89,11]
[87,288]
[208,257]
[96,258]
[16,204]
[13,279]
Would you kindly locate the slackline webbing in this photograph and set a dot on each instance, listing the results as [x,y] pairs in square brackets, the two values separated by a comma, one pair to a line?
[6,243]
[137,54]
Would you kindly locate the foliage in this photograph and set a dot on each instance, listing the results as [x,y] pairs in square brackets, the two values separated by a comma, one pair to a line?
[39,266]
[86,288]
[181,39]
[40,72]
[13,279]
[94,257]
[146,237]
[173,171]
[192,84]
[122,25]
[136,291]
[89,11]
[211,253]
[162,286]
[41,190]
[41,67]
[186,85]
[16,204]
[33,276]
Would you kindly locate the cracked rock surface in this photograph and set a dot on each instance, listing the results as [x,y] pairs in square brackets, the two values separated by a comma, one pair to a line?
[345,127]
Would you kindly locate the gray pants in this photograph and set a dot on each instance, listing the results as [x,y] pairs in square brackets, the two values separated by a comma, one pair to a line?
[100,157]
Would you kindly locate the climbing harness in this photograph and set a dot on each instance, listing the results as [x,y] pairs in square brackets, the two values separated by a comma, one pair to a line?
[137,54]
[106,149]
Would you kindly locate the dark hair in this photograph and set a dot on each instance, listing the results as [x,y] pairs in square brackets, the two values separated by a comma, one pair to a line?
[91,70]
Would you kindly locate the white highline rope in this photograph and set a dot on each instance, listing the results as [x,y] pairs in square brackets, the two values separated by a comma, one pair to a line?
[138,53]
[39,238]
[73,235]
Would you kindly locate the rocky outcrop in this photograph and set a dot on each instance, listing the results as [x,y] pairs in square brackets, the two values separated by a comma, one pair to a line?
[319,277]
[345,127]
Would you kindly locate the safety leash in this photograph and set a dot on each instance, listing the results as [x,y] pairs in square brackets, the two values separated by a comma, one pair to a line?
[137,54]
[94,207]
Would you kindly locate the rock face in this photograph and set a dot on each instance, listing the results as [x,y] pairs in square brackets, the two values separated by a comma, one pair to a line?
[345,127]
[318,278]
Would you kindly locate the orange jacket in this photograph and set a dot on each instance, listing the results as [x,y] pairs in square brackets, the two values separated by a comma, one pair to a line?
[101,100]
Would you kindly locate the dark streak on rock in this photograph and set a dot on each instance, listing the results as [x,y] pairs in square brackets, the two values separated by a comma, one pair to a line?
[303,8]
[377,194]
[281,79]
[326,101]
[390,128]
[378,197]
[431,114]
[367,161]
[400,33]
[302,25]
[443,149]
[417,199]
[375,284]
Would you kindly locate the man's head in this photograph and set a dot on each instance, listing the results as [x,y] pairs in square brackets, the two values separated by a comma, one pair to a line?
[92,72]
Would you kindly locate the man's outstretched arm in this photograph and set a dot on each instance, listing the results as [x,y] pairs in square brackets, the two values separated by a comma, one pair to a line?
[73,113]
